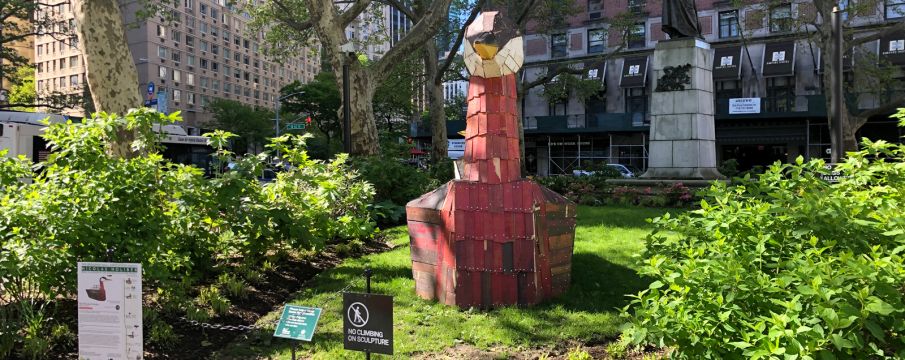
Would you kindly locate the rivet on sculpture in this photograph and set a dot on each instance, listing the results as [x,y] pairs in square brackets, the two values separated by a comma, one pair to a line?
[491,238]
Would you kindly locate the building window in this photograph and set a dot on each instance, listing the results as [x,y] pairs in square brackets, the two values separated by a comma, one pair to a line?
[190,22]
[73,80]
[176,36]
[636,104]
[895,9]
[728,89]
[637,6]
[204,63]
[226,53]
[73,61]
[189,41]
[245,59]
[40,49]
[637,36]
[245,43]
[215,66]
[190,60]
[558,45]
[215,49]
[781,18]
[161,32]
[226,36]
[729,24]
[161,52]
[177,96]
[216,84]
[176,56]
[162,72]
[203,9]
[190,79]
[189,4]
[780,94]
[204,82]
[205,46]
[596,41]
[190,98]
[595,9]
[177,75]
[226,70]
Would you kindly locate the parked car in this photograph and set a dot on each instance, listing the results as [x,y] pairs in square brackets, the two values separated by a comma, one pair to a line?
[622,169]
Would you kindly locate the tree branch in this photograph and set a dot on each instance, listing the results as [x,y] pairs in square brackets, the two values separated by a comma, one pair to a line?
[444,67]
[568,70]
[348,16]
[523,18]
[399,6]
[289,19]
[424,30]
[883,109]
[898,27]
[49,106]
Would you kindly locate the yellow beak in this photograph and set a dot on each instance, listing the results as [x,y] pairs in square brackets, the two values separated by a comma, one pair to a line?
[486,51]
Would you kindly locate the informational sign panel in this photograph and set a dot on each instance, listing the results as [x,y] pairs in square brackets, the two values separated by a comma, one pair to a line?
[455,148]
[295,126]
[109,310]
[151,88]
[744,106]
[368,323]
[162,106]
[297,322]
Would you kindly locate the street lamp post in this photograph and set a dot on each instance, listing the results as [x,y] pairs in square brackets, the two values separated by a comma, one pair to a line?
[838,151]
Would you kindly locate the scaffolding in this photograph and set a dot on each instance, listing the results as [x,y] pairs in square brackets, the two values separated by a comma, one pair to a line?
[566,154]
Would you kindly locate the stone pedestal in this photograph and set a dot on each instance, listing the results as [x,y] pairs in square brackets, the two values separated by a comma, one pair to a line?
[682,139]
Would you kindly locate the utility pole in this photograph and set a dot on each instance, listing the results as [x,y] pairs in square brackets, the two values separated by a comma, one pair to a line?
[836,82]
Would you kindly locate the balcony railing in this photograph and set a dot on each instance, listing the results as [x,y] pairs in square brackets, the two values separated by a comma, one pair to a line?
[778,107]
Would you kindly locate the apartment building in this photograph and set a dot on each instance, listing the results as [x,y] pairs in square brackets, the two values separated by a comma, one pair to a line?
[201,52]
[762,55]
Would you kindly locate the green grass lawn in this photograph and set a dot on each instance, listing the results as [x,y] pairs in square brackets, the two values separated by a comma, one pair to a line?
[607,238]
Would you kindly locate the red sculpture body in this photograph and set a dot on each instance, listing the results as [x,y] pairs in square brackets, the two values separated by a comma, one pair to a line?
[491,238]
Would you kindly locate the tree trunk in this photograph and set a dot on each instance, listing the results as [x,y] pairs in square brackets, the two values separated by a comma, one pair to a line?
[109,69]
[364,124]
[439,144]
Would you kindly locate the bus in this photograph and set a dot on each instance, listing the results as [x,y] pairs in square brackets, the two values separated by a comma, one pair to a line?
[21,133]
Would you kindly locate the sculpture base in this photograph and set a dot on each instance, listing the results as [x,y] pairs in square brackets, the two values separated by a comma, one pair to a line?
[682,135]
[489,245]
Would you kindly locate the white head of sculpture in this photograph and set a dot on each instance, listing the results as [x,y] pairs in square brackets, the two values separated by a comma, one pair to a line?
[493,49]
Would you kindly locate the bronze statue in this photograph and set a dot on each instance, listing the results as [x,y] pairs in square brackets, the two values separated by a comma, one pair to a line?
[680,19]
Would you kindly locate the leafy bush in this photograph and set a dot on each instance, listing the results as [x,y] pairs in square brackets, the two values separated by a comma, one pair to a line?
[167,216]
[784,266]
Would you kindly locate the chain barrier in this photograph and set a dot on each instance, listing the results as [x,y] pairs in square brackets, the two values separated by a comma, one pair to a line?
[214,326]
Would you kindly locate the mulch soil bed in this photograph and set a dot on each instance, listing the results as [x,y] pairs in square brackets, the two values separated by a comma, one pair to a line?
[198,343]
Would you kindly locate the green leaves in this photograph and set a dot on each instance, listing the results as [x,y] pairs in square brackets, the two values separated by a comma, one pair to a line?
[784,265]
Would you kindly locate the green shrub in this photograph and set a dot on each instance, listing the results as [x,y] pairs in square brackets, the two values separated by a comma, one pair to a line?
[169,217]
[212,298]
[163,336]
[784,266]
[233,286]
[578,353]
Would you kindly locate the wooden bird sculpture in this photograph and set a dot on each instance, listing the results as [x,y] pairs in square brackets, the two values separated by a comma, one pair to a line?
[491,238]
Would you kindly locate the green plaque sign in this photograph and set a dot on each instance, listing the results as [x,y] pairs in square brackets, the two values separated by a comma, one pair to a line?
[295,126]
[297,322]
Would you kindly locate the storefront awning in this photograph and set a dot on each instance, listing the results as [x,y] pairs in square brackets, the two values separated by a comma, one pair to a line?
[634,72]
[779,59]
[727,63]
[595,69]
[892,48]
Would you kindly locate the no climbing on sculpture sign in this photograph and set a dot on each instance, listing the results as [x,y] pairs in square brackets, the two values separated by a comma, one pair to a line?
[368,323]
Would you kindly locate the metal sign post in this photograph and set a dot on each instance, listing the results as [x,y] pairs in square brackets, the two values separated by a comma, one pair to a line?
[368,321]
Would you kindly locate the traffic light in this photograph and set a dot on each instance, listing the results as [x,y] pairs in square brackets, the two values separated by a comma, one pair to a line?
[308,120]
